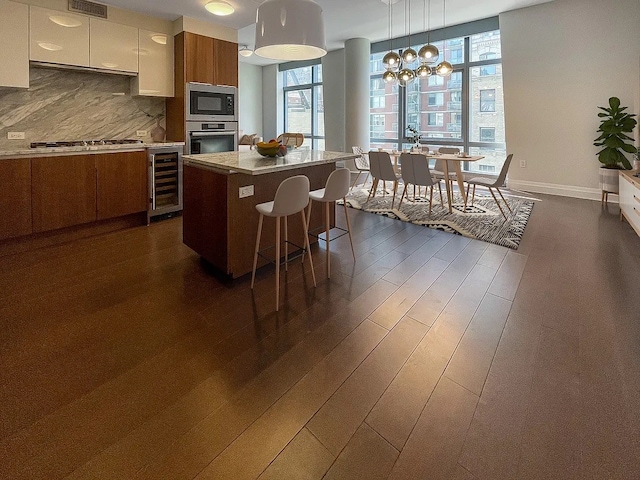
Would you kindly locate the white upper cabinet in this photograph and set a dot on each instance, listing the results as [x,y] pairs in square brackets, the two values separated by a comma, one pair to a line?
[113,46]
[14,38]
[59,37]
[155,65]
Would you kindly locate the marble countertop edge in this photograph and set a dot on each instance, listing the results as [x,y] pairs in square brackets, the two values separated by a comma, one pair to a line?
[55,151]
[252,163]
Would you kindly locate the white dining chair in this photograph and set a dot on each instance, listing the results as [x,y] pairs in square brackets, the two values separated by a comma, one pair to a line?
[336,188]
[362,165]
[292,196]
[490,183]
[416,172]
[382,169]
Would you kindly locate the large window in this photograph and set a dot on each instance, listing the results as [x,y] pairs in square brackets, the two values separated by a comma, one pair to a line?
[465,110]
[304,104]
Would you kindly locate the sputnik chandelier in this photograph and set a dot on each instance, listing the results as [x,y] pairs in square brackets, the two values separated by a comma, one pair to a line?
[398,65]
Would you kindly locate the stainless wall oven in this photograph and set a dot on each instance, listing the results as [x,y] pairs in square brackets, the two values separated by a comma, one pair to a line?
[212,137]
[211,103]
[165,181]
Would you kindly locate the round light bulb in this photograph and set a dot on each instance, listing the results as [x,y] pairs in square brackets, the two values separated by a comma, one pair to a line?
[405,77]
[409,56]
[429,54]
[423,71]
[444,69]
[391,61]
[389,76]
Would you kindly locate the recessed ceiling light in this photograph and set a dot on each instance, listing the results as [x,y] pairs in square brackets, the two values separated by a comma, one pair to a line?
[159,38]
[219,8]
[52,47]
[65,21]
[245,51]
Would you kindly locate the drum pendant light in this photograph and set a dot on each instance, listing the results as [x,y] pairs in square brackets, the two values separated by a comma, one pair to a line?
[290,30]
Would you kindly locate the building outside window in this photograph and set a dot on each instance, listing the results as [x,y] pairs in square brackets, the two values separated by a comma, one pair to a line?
[488,100]
[487,134]
[465,110]
[436,99]
[304,104]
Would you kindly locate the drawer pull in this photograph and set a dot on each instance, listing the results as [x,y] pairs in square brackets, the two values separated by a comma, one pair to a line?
[635,197]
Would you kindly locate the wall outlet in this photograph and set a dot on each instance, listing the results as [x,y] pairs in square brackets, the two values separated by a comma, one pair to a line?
[15,135]
[523,164]
[245,191]
[141,133]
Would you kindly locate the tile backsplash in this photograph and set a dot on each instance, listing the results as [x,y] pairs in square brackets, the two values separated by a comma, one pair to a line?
[71,105]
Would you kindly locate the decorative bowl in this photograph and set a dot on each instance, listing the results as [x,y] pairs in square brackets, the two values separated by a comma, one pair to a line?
[270,151]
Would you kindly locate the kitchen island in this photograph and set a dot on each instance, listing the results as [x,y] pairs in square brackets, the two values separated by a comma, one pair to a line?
[221,191]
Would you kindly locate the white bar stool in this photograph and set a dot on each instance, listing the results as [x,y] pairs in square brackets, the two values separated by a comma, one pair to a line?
[291,197]
[336,188]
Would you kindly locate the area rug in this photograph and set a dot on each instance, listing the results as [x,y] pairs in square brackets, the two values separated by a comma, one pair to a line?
[482,221]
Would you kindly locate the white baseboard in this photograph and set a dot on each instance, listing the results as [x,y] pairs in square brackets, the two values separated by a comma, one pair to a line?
[560,190]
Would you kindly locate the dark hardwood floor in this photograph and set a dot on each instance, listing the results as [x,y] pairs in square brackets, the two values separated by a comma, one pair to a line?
[432,356]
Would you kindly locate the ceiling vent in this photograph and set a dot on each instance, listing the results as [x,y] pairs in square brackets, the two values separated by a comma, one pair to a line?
[88,8]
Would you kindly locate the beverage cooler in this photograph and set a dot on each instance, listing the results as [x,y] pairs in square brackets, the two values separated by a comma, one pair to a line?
[165,182]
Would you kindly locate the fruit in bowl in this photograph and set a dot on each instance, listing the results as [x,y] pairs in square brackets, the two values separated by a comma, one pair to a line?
[268,149]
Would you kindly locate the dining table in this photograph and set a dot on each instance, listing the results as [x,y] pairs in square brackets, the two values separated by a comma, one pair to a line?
[455,159]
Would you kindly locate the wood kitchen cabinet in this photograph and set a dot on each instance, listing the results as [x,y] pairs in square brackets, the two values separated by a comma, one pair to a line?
[121,184]
[14,38]
[15,201]
[63,191]
[59,37]
[225,63]
[198,59]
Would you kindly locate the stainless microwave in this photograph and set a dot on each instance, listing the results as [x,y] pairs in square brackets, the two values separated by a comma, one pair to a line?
[211,103]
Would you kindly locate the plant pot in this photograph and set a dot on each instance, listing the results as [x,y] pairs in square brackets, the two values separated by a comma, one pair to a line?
[609,180]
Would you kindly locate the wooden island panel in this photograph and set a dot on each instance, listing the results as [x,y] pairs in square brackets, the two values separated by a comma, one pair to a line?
[222,227]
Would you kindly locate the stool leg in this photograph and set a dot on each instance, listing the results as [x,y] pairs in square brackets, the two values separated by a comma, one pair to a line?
[307,224]
[277,263]
[326,229]
[346,216]
[255,254]
[306,239]
[286,245]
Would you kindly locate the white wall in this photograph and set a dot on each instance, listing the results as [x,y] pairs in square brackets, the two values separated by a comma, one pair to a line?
[561,60]
[250,98]
[334,100]
[272,102]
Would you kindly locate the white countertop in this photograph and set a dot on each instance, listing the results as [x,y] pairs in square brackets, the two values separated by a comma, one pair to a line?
[253,163]
[52,151]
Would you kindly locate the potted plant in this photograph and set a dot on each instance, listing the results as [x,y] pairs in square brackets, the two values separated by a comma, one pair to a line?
[614,128]
[414,136]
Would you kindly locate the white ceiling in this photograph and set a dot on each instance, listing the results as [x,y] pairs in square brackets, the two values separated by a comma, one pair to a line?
[343,19]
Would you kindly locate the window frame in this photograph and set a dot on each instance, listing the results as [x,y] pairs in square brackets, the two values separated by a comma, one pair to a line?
[316,83]
[488,59]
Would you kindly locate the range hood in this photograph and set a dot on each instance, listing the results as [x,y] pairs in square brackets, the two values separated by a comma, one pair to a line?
[60,66]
